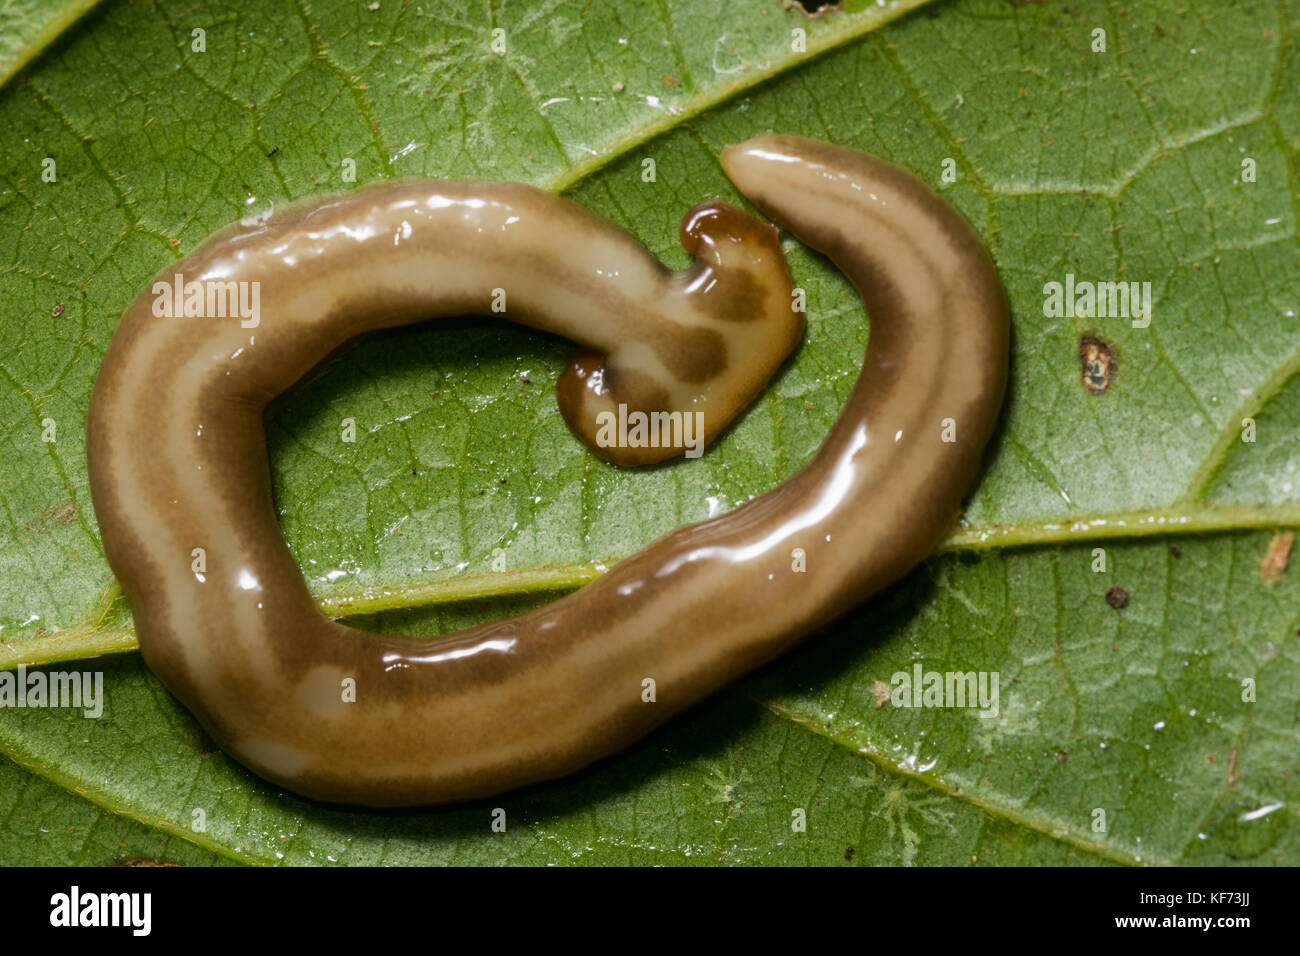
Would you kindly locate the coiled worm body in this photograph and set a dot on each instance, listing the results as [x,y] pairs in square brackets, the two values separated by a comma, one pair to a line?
[178,463]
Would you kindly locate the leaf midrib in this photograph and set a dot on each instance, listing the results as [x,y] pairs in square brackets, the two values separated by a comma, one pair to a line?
[91,638]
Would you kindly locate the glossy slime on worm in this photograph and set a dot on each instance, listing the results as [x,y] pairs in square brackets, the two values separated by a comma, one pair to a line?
[178,462]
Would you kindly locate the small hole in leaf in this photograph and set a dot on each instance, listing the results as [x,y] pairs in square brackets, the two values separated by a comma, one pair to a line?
[812,8]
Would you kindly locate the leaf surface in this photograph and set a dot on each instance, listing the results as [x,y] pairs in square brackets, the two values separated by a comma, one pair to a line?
[465,498]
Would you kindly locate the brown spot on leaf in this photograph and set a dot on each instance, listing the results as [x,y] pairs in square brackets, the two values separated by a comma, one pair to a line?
[880,691]
[1273,565]
[55,515]
[1232,767]
[1061,755]
[1097,361]
[57,310]
[1117,597]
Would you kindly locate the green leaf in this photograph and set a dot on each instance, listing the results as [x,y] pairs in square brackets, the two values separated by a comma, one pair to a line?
[48,826]
[465,498]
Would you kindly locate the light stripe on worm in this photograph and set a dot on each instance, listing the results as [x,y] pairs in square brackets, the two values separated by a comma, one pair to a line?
[178,461]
